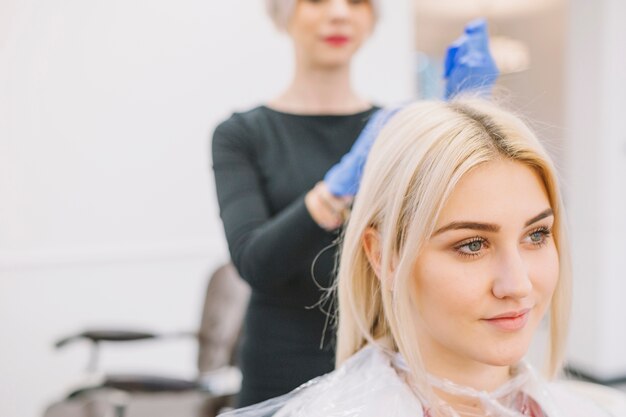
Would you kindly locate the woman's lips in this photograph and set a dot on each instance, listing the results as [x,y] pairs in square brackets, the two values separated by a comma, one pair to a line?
[511,321]
[336,40]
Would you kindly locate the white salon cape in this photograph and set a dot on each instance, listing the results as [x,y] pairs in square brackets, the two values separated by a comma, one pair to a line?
[369,385]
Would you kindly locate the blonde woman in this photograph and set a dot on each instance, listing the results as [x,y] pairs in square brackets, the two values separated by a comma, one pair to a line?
[454,254]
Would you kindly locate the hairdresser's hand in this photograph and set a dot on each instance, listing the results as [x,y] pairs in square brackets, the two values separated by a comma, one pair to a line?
[469,66]
[327,210]
[343,178]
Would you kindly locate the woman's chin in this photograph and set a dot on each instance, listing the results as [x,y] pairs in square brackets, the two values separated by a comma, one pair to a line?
[332,59]
[506,357]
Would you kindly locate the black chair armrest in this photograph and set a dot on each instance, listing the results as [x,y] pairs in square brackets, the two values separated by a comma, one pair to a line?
[117,335]
[150,383]
[106,335]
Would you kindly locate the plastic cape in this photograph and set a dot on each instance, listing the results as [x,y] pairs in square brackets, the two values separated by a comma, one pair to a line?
[372,383]
[366,385]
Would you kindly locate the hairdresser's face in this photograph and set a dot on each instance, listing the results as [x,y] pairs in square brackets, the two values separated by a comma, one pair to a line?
[327,33]
[486,277]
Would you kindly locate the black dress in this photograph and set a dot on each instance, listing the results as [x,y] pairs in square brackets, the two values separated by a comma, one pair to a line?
[265,162]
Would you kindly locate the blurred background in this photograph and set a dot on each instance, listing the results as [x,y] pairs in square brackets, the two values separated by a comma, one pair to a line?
[107,209]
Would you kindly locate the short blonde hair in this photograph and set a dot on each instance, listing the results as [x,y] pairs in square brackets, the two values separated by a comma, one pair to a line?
[280,11]
[413,168]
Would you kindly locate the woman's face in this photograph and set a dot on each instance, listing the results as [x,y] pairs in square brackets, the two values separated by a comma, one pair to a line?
[486,277]
[327,33]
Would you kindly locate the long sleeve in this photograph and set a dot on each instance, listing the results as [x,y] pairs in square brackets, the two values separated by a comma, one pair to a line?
[265,161]
[265,248]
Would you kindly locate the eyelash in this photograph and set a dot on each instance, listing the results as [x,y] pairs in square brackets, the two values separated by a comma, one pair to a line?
[544,231]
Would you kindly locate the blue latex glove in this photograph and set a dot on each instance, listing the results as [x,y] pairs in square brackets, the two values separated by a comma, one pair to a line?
[343,178]
[469,65]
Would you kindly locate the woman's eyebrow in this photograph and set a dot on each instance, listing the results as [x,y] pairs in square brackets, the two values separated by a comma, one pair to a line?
[485,227]
[488,227]
[546,213]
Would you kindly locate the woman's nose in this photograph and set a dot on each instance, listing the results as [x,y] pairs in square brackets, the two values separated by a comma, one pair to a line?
[339,9]
[512,279]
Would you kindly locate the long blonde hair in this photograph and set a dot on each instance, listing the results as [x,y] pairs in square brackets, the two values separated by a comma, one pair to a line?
[412,169]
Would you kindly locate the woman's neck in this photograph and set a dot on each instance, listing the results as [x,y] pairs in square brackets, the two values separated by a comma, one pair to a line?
[320,91]
[465,373]
[479,378]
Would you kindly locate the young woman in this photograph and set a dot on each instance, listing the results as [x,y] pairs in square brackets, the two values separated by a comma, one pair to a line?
[278,212]
[454,253]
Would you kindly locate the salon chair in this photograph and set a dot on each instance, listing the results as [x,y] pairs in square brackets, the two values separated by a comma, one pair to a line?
[133,395]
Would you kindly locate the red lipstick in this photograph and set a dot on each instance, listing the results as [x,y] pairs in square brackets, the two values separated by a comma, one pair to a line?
[336,40]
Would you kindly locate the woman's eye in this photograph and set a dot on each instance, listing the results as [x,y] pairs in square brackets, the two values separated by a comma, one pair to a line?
[471,248]
[539,236]
[474,246]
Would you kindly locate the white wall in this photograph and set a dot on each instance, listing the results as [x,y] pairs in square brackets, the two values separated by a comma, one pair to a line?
[596,185]
[107,214]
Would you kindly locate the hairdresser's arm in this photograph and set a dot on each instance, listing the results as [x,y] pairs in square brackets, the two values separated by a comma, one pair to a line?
[343,179]
[261,245]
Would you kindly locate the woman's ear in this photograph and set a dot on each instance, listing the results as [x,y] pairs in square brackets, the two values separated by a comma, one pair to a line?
[371,245]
